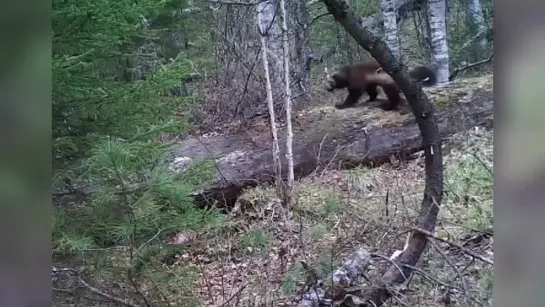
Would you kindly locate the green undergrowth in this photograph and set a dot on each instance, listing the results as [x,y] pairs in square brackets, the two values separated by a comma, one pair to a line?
[134,204]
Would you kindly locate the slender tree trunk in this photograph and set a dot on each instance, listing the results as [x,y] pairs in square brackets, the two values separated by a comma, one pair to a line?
[302,57]
[391,35]
[270,104]
[426,26]
[438,35]
[289,138]
[271,31]
[475,18]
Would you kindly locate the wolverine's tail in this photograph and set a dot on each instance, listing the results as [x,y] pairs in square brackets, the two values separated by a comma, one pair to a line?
[425,75]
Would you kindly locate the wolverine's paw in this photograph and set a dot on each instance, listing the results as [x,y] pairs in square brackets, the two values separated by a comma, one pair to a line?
[340,106]
[387,107]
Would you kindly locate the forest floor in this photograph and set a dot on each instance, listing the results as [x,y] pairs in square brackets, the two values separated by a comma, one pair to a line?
[336,211]
[254,259]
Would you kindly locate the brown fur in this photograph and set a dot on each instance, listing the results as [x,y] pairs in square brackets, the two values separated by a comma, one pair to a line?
[366,76]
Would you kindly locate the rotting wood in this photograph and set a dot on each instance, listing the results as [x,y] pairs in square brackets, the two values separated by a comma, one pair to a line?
[338,141]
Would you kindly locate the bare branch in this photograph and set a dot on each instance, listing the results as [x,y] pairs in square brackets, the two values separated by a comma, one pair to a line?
[93,289]
[471,65]
[229,299]
[454,244]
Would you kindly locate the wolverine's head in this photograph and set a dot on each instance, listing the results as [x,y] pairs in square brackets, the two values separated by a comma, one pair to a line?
[337,81]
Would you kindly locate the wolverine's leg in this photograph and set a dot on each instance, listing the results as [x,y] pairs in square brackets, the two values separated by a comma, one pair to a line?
[393,98]
[351,99]
[371,90]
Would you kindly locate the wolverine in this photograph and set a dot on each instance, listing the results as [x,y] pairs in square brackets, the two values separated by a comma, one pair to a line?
[366,76]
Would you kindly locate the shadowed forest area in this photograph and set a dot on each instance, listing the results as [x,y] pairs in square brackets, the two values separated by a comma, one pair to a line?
[199,159]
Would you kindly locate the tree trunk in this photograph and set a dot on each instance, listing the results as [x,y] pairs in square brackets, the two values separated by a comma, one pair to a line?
[438,35]
[269,26]
[338,139]
[474,12]
[302,58]
[270,103]
[289,132]
[391,36]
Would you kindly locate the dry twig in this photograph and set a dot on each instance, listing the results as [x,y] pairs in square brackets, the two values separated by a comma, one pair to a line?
[94,290]
[454,244]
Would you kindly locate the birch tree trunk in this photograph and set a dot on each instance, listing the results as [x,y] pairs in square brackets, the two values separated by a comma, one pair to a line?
[271,33]
[391,35]
[475,18]
[289,138]
[438,35]
[270,104]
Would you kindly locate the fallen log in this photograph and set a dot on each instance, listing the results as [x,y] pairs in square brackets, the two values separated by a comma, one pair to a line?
[336,138]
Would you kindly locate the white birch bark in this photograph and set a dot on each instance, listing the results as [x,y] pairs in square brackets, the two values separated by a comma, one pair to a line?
[438,36]
[391,35]
[269,26]
[270,105]
[289,138]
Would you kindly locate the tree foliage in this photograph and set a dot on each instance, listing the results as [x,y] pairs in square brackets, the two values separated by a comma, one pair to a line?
[113,72]
[113,75]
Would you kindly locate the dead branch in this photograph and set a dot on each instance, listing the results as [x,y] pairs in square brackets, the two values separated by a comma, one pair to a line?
[237,52]
[136,287]
[468,66]
[230,298]
[454,244]
[453,266]
[434,279]
[94,290]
